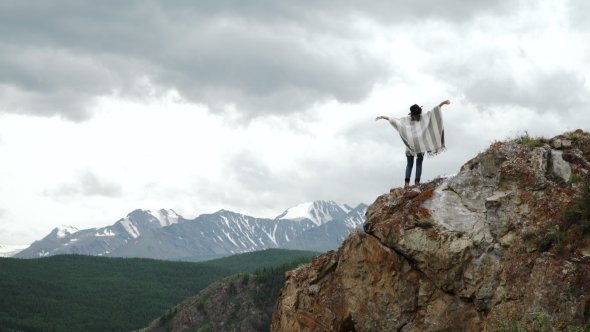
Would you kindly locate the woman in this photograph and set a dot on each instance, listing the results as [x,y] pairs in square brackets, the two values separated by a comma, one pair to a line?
[420,134]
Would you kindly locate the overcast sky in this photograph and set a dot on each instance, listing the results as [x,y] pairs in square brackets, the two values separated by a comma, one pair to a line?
[256,106]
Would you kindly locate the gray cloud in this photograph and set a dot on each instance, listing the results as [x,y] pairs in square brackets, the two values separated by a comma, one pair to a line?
[248,169]
[557,91]
[353,179]
[370,130]
[234,196]
[577,11]
[372,162]
[491,81]
[11,236]
[25,234]
[248,182]
[263,57]
[85,184]
[346,178]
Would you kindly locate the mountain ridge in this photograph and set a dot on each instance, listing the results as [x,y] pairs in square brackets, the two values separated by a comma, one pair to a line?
[164,234]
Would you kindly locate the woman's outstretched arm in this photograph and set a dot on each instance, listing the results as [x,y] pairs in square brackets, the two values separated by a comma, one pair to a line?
[446,102]
[382,117]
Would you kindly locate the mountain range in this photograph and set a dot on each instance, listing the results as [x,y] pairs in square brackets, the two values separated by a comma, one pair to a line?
[164,234]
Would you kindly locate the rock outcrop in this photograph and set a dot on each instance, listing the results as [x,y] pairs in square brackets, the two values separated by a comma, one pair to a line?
[489,245]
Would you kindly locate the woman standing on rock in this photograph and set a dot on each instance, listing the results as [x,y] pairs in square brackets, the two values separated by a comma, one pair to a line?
[420,134]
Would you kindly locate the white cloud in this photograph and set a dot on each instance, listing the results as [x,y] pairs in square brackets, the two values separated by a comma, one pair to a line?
[86,183]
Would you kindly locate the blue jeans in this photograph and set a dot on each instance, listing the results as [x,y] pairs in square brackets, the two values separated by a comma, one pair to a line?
[419,160]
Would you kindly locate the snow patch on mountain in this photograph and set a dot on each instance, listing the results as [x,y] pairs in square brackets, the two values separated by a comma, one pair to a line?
[64,231]
[105,232]
[130,228]
[166,218]
[71,241]
[298,212]
[319,212]
[345,207]
[356,217]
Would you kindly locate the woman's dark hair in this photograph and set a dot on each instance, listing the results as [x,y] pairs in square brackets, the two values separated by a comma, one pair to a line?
[415,112]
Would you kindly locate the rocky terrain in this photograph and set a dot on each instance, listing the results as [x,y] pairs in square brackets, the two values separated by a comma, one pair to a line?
[506,239]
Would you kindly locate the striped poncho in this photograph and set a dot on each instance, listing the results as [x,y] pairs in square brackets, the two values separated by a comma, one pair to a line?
[426,135]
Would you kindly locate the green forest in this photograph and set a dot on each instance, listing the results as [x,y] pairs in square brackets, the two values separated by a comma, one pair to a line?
[88,293]
[257,260]
[272,280]
[267,283]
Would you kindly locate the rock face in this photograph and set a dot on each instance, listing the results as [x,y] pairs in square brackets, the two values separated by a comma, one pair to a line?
[491,244]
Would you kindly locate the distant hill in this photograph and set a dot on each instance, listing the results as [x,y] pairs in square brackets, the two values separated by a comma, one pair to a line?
[87,293]
[241,302]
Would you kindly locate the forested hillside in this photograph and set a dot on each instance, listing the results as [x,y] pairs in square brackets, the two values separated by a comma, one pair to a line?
[242,302]
[259,260]
[87,293]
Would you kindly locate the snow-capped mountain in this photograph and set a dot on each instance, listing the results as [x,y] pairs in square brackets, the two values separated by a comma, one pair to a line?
[99,241]
[223,232]
[346,208]
[330,234]
[164,234]
[319,212]
[64,231]
[355,218]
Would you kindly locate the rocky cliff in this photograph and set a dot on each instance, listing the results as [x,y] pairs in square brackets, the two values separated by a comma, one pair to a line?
[506,239]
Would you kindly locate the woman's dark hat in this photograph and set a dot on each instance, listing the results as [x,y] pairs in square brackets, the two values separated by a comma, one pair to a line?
[415,109]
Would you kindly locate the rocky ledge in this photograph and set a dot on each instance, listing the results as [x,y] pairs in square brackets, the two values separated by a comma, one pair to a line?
[493,244]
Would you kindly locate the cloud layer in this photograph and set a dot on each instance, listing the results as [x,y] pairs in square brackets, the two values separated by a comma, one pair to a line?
[263,57]
[85,184]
